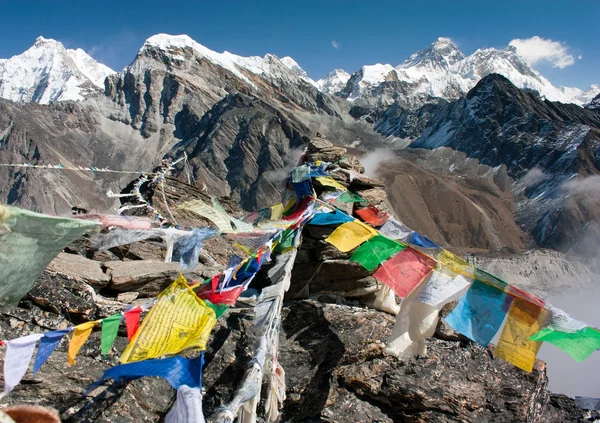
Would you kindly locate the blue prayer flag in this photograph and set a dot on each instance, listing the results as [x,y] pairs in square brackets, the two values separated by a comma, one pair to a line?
[418,239]
[480,312]
[335,218]
[303,189]
[175,370]
[48,344]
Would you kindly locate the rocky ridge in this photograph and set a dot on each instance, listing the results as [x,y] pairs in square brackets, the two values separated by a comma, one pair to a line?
[331,346]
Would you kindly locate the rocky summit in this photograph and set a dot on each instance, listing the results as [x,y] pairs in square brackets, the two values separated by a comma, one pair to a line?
[332,343]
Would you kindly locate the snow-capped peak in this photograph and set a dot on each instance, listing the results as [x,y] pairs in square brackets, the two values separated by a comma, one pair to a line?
[438,56]
[49,72]
[334,81]
[269,66]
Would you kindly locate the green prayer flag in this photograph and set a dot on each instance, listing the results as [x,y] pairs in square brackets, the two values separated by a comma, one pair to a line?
[349,197]
[286,241]
[375,251]
[29,241]
[578,345]
[219,309]
[110,329]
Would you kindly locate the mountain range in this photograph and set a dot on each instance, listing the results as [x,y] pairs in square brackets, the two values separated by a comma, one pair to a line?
[243,121]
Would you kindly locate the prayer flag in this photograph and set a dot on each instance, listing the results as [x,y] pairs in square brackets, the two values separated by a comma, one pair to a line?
[176,370]
[524,319]
[29,242]
[350,235]
[480,312]
[303,189]
[177,321]
[421,241]
[490,279]
[578,345]
[201,208]
[48,344]
[330,182]
[349,197]
[375,251]
[404,271]
[395,230]
[440,288]
[110,330]
[335,218]
[132,321]
[454,263]
[17,358]
[80,335]
[372,215]
[228,297]
[219,309]
[276,212]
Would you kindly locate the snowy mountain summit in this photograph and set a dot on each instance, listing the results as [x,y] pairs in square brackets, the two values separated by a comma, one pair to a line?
[49,72]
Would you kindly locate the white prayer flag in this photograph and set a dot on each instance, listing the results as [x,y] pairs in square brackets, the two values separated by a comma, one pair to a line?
[17,359]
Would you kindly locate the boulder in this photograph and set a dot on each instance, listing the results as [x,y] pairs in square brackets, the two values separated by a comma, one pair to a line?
[79,268]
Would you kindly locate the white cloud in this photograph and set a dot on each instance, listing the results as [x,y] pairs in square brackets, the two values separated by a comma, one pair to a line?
[335,44]
[580,57]
[538,50]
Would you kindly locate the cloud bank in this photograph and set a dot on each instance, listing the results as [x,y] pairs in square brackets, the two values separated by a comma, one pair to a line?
[536,50]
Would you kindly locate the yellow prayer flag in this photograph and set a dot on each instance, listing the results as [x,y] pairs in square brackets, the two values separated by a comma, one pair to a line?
[350,235]
[291,202]
[330,182]
[524,319]
[454,263]
[177,321]
[201,208]
[276,212]
[80,335]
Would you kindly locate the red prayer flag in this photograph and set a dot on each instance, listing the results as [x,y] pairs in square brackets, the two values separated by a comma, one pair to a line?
[300,209]
[519,293]
[404,271]
[132,321]
[228,297]
[372,215]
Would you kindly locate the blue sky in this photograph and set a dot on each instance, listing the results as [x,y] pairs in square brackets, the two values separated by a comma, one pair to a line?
[365,32]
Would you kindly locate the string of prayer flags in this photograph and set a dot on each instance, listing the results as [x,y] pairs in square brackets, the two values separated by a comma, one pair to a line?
[480,312]
[372,215]
[395,230]
[417,239]
[48,344]
[80,334]
[350,235]
[110,330]
[177,321]
[349,197]
[334,218]
[569,334]
[29,242]
[17,358]
[441,288]
[330,182]
[404,271]
[524,319]
[375,251]
[176,370]
[132,321]
[227,297]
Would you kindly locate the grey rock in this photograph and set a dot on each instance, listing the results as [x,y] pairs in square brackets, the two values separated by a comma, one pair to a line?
[80,269]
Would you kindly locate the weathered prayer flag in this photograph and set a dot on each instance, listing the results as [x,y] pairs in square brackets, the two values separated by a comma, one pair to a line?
[175,370]
[177,321]
[201,208]
[375,251]
[276,212]
[524,319]
[350,235]
[404,271]
[335,218]
[81,333]
[48,344]
[29,242]
[330,182]
[417,239]
[349,197]
[490,279]
[454,263]
[395,230]
[17,358]
[439,288]
[480,312]
[372,215]
[110,330]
